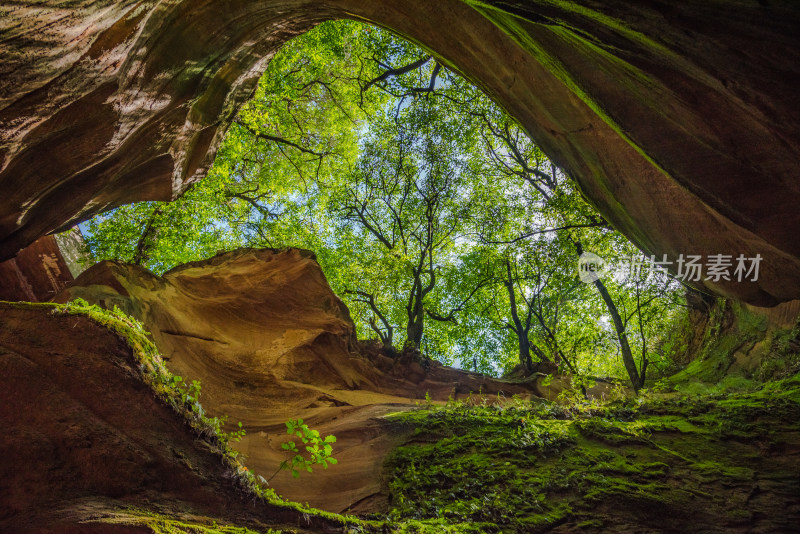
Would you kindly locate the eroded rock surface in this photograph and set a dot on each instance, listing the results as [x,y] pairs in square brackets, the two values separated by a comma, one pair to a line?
[36,274]
[269,341]
[679,120]
[84,439]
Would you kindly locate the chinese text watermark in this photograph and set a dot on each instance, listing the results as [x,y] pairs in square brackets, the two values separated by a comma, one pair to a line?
[687,267]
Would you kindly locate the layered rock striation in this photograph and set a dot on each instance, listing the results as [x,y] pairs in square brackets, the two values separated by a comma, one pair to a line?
[269,342]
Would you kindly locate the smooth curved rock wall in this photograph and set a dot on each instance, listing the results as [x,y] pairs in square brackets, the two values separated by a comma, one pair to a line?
[680,121]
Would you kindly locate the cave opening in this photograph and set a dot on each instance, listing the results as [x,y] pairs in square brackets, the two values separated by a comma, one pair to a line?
[430,213]
[435,217]
[383,298]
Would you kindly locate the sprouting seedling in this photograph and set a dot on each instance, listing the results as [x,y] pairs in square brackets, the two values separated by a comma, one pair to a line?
[317,451]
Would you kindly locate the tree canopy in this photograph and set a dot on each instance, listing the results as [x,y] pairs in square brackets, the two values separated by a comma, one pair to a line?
[442,225]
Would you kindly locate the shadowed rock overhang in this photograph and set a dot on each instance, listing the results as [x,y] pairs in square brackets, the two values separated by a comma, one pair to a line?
[679,121]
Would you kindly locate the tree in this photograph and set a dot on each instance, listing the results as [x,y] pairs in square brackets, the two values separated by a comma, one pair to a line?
[436,218]
[512,155]
[405,195]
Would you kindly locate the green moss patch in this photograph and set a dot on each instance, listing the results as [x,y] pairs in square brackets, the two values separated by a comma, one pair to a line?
[657,462]
[161,524]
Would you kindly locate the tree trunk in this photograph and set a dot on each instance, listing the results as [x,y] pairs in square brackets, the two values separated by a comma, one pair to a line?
[519,330]
[414,332]
[416,310]
[142,252]
[386,338]
[619,327]
[416,320]
[625,348]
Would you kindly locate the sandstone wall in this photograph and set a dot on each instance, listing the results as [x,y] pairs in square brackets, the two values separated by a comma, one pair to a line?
[680,121]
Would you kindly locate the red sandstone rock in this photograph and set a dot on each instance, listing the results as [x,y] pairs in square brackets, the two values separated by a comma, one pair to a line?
[37,274]
[678,120]
[269,341]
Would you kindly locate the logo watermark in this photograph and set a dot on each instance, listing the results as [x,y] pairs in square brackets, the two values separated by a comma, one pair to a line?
[591,267]
[687,267]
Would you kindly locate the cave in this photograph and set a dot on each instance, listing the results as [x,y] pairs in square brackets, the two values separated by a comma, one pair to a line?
[678,121]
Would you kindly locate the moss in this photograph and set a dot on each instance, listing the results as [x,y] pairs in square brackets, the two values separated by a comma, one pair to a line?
[161,524]
[184,399]
[739,351]
[783,359]
[168,526]
[716,470]
[657,461]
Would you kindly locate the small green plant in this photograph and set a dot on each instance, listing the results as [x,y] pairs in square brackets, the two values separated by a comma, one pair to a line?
[234,436]
[318,448]
[575,394]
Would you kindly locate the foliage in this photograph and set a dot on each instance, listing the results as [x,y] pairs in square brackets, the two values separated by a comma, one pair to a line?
[319,449]
[517,466]
[298,127]
[434,216]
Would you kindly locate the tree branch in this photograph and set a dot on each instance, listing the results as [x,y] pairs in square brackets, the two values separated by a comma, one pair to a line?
[391,72]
